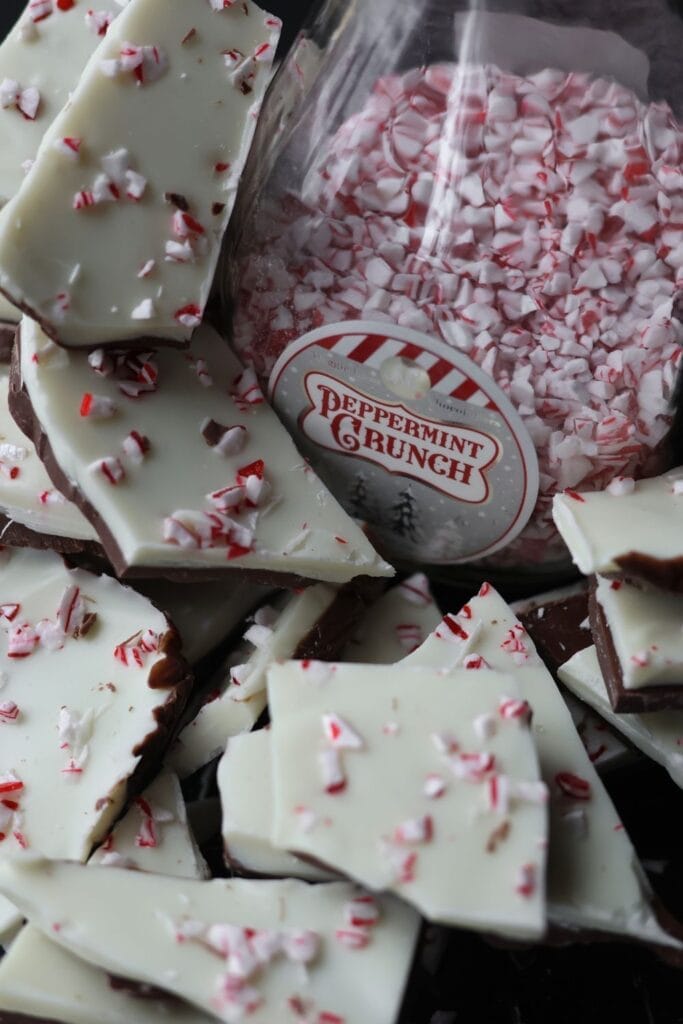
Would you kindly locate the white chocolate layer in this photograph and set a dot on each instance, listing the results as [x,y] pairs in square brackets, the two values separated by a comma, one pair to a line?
[77,235]
[128,922]
[296,526]
[646,626]
[594,881]
[601,526]
[73,717]
[67,989]
[154,835]
[659,734]
[242,702]
[396,624]
[373,817]
[246,788]
[30,497]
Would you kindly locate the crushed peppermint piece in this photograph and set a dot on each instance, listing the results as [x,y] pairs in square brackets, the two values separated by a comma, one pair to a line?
[573,786]
[334,779]
[339,734]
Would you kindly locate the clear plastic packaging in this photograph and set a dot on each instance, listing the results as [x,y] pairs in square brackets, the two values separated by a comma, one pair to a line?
[457,262]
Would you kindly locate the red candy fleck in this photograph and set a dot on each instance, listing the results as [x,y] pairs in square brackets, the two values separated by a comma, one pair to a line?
[526,880]
[9,611]
[573,786]
[575,495]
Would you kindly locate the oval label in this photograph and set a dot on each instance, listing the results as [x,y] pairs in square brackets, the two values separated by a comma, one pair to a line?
[410,436]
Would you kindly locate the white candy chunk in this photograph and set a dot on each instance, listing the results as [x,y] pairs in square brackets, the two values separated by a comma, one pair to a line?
[240,705]
[659,734]
[154,835]
[593,877]
[145,65]
[377,825]
[244,781]
[270,928]
[66,989]
[204,614]
[28,496]
[646,626]
[159,517]
[395,624]
[600,528]
[86,679]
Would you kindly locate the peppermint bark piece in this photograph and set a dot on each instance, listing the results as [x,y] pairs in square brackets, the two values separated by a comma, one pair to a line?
[388,778]
[229,946]
[154,835]
[43,982]
[638,633]
[93,686]
[279,630]
[403,613]
[41,60]
[632,528]
[396,624]
[181,466]
[109,177]
[594,881]
[559,626]
[659,734]
[245,785]
[32,512]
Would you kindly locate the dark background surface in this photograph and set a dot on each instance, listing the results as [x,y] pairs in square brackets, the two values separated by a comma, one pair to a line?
[598,984]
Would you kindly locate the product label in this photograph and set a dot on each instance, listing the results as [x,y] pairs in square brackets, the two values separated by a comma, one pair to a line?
[410,436]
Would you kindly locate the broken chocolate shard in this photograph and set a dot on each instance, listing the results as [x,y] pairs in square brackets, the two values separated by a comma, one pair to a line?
[664,697]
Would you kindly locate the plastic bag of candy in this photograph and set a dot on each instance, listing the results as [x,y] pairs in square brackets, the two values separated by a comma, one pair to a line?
[458,260]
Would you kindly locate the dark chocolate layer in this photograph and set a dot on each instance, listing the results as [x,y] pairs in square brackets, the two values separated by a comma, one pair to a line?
[665,697]
[7,335]
[16,535]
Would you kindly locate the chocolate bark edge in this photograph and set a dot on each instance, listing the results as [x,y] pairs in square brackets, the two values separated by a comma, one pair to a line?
[664,573]
[141,343]
[16,535]
[558,633]
[665,697]
[22,412]
[7,334]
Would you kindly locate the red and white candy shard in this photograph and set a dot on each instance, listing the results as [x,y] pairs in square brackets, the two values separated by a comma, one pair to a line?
[592,882]
[238,509]
[599,528]
[548,228]
[154,835]
[140,70]
[69,727]
[392,813]
[254,946]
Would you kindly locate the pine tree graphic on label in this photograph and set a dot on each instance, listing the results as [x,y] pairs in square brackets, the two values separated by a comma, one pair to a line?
[357,504]
[404,515]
